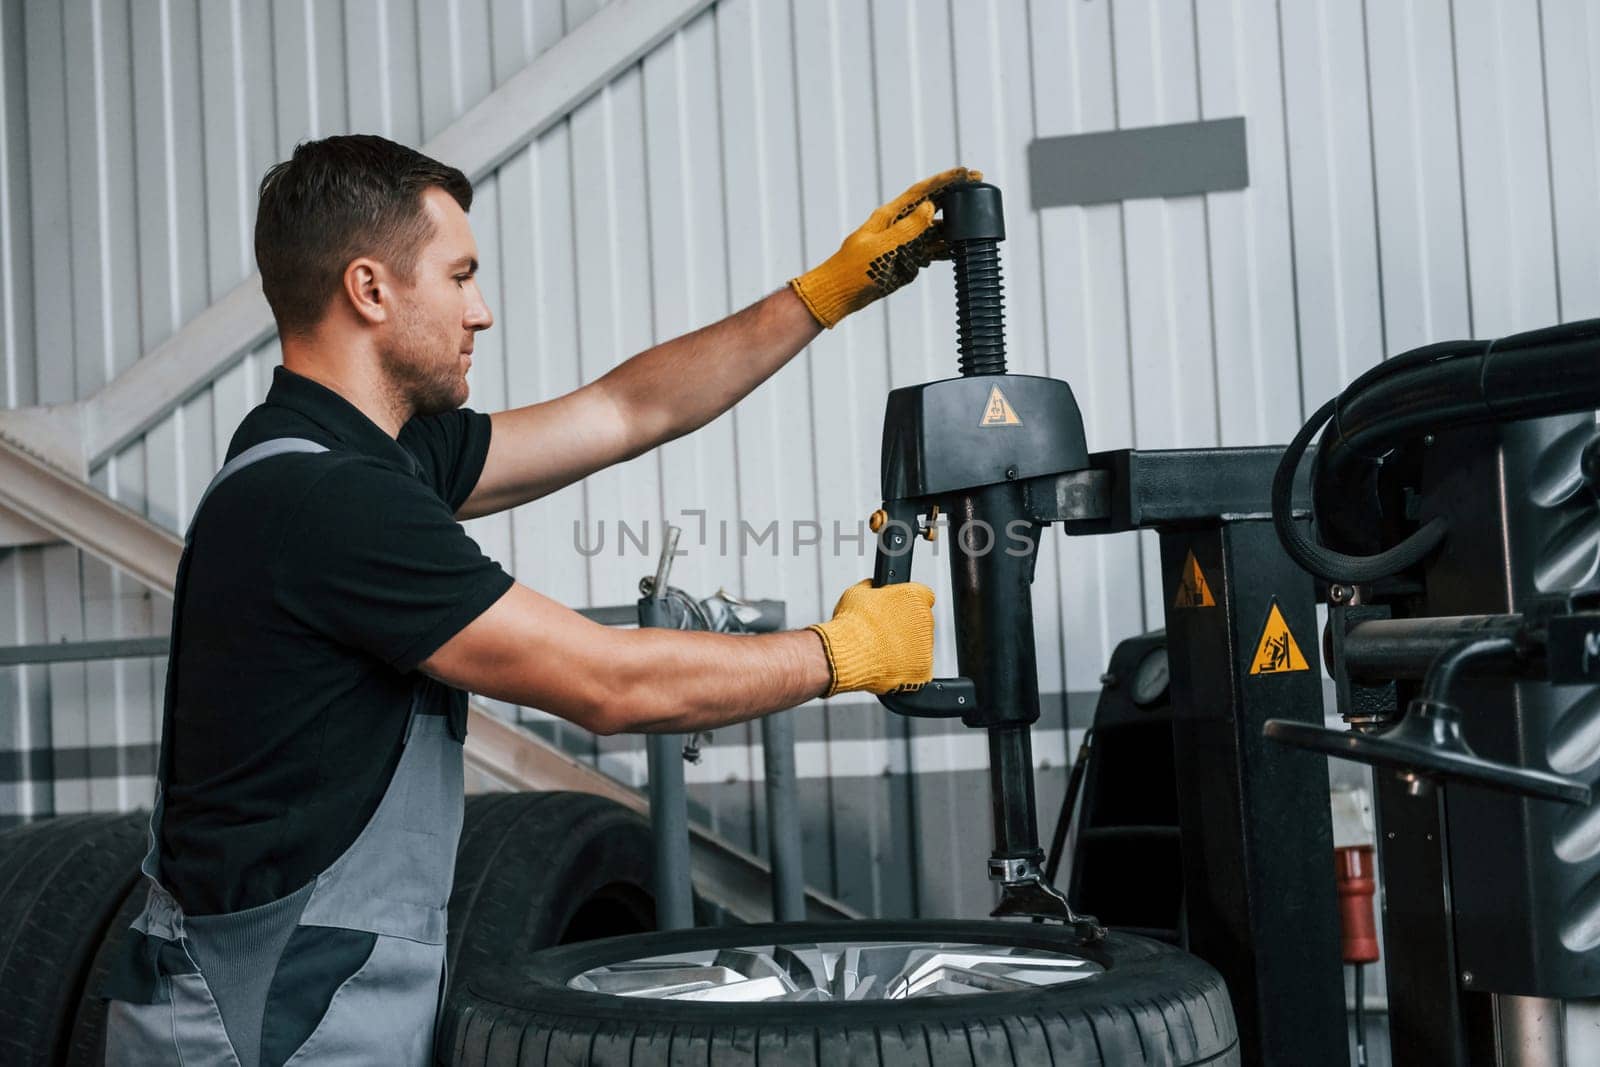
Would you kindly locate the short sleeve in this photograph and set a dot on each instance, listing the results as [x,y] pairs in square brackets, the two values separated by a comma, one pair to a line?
[374,560]
[451,447]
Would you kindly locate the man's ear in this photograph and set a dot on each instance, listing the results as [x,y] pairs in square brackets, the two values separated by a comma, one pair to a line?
[366,287]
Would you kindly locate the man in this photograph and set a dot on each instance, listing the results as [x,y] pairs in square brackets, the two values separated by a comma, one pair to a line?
[330,614]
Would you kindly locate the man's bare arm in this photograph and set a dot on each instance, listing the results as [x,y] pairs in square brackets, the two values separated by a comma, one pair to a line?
[658,395]
[527,649]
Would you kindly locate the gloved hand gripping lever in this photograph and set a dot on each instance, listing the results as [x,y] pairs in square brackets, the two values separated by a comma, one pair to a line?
[942,698]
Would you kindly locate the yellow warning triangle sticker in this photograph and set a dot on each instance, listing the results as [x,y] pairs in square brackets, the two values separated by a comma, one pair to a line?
[1193,592]
[998,411]
[1277,652]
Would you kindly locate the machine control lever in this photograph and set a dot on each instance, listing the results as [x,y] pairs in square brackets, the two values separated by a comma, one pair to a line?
[1428,744]
[943,698]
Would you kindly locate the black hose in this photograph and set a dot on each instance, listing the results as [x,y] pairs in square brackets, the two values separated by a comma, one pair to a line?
[1496,382]
[1361,1022]
[1058,840]
[1326,563]
[1323,562]
[1454,383]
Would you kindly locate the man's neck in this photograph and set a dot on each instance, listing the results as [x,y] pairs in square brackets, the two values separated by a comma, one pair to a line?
[357,380]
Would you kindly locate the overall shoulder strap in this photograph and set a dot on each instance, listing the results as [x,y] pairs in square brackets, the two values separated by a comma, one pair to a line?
[277,446]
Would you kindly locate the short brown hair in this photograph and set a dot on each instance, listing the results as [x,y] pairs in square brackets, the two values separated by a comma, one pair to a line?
[335,200]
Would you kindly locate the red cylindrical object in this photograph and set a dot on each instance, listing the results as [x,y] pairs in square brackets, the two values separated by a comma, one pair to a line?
[1353,866]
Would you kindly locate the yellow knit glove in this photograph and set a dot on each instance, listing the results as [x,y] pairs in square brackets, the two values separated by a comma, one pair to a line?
[898,240]
[879,639]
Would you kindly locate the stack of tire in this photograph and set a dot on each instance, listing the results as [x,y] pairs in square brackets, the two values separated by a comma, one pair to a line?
[539,875]
[533,870]
[61,883]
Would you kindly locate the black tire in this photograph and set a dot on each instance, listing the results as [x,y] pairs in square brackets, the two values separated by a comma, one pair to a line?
[541,869]
[61,882]
[88,1045]
[1152,1005]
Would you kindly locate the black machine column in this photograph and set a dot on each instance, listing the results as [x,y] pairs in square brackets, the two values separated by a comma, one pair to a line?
[1455,502]
[1002,457]
[991,569]
[1257,838]
[1461,546]
[971,447]
[1255,827]
[1486,894]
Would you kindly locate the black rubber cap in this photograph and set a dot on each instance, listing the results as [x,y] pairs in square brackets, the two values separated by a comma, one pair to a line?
[973,212]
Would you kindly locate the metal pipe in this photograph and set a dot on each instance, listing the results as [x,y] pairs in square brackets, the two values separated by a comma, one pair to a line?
[612,614]
[1383,650]
[782,790]
[669,828]
[669,801]
[1491,649]
[143,647]
[76,651]
[1016,819]
[783,818]
[669,549]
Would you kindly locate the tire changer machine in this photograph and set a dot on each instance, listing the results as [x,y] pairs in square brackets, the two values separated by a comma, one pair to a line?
[1449,521]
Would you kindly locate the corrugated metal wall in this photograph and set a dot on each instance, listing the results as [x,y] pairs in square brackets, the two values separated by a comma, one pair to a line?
[135,132]
[1417,171]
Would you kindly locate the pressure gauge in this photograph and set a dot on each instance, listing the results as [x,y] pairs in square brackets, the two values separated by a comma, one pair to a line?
[1150,678]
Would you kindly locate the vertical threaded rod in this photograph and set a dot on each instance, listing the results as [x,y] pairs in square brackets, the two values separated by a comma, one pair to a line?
[980,308]
[974,225]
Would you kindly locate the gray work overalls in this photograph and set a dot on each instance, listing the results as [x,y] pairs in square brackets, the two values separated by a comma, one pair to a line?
[240,989]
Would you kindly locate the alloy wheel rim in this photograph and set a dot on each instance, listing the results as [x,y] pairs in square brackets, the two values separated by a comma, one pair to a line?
[837,971]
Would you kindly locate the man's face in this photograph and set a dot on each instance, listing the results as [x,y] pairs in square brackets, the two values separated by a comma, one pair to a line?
[428,347]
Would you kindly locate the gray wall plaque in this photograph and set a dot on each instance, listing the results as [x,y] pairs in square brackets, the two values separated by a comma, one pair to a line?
[1181,159]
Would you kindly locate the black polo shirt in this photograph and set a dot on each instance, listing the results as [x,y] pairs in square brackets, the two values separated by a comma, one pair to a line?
[316,584]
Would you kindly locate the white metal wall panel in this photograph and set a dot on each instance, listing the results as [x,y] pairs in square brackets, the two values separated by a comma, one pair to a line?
[1417,171]
[16,251]
[1571,39]
[135,135]
[688,261]
[1505,165]
[1330,168]
[1247,232]
[1422,251]
[25,710]
[758,180]
[917,136]
[1081,285]
[836,131]
[53,378]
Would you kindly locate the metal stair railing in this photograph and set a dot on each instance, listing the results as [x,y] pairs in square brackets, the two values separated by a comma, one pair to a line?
[81,515]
